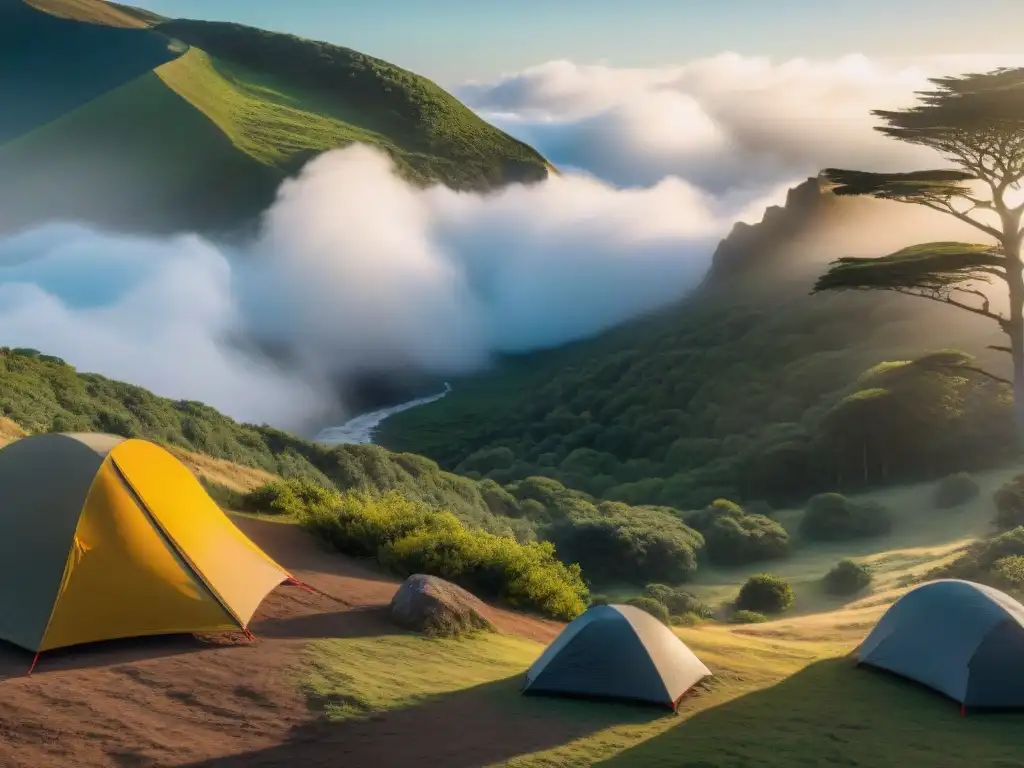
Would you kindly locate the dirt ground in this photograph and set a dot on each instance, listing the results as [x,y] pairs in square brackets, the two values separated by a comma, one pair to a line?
[223,701]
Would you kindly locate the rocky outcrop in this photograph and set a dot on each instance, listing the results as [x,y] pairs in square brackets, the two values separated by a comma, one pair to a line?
[437,607]
[782,238]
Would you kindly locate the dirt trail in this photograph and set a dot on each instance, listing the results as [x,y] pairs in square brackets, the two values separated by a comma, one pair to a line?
[212,700]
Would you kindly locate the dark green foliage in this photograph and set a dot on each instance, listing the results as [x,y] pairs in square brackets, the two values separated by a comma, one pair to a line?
[651,606]
[833,517]
[765,593]
[1009,501]
[676,600]
[611,541]
[409,537]
[733,537]
[600,600]
[846,578]
[955,490]
[719,398]
[747,617]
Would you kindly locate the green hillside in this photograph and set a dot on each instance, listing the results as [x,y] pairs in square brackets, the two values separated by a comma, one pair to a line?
[122,119]
[751,390]
[614,542]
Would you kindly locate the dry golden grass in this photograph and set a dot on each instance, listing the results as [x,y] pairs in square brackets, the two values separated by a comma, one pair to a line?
[89,11]
[233,476]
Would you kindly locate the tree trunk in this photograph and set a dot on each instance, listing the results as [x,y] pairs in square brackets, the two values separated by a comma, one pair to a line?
[1015,327]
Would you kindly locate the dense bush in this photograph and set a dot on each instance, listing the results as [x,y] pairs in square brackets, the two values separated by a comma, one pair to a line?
[651,606]
[747,617]
[598,599]
[955,490]
[612,541]
[1009,572]
[685,620]
[1009,501]
[833,517]
[733,537]
[846,578]
[676,600]
[409,537]
[765,593]
[290,497]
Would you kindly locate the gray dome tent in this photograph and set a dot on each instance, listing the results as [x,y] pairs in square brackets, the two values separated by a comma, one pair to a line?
[617,652]
[962,639]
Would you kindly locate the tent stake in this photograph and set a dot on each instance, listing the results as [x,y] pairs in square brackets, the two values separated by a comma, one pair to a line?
[34,662]
[963,710]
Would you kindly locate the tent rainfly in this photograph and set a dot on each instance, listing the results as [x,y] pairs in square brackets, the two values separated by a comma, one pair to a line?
[617,652]
[104,538]
[962,639]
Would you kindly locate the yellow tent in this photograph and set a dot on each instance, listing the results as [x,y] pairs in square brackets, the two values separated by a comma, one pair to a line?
[103,538]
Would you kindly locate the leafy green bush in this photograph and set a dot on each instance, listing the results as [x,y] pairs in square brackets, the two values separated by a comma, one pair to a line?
[651,606]
[955,490]
[676,600]
[290,497]
[612,541]
[225,497]
[408,537]
[685,620]
[733,537]
[1009,501]
[765,593]
[600,599]
[846,578]
[833,517]
[747,617]
[1009,572]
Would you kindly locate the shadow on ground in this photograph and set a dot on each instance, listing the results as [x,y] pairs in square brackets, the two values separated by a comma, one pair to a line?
[477,726]
[834,714]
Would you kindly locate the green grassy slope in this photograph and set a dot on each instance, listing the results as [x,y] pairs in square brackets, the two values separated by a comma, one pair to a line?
[256,105]
[776,701]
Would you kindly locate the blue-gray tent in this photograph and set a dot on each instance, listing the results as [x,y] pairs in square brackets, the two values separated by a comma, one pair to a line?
[617,652]
[962,639]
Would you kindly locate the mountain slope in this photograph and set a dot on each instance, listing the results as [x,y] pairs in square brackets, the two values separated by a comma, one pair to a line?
[263,103]
[736,392]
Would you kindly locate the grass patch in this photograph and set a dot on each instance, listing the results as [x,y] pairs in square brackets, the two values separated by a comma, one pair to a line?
[774,702]
[356,677]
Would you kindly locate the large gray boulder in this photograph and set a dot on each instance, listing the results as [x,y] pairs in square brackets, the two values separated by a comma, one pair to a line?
[437,607]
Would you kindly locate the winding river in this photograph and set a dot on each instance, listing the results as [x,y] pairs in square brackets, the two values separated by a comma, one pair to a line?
[360,429]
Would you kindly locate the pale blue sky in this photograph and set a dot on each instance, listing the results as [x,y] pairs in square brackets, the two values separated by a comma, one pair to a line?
[455,40]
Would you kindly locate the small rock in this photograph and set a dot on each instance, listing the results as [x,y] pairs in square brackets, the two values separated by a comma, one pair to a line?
[437,607]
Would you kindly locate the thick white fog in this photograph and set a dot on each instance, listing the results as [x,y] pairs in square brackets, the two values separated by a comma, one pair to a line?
[356,270]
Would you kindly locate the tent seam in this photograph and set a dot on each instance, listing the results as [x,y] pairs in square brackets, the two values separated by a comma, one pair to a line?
[172,544]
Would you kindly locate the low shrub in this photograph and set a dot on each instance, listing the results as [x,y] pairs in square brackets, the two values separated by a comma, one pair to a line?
[747,617]
[846,578]
[955,490]
[685,620]
[734,537]
[600,600]
[833,517]
[651,606]
[226,498]
[407,537]
[1009,501]
[765,593]
[290,497]
[676,600]
[1009,572]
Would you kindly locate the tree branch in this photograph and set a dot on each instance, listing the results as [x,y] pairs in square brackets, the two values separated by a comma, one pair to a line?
[983,372]
[998,348]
